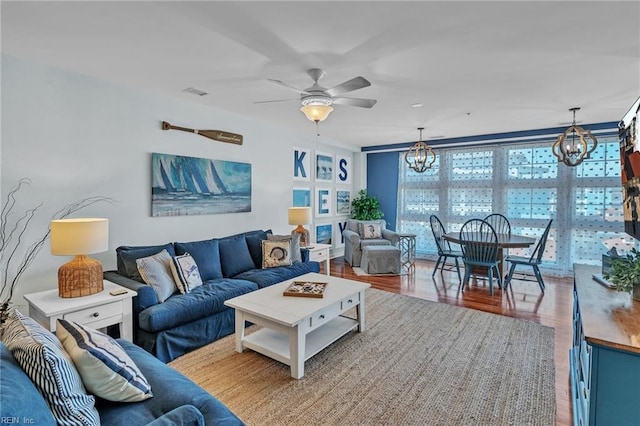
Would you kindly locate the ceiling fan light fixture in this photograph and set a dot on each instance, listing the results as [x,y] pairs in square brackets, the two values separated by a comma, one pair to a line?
[420,156]
[572,146]
[317,113]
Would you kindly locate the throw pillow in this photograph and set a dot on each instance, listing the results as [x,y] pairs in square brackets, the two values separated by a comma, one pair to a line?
[275,253]
[42,357]
[294,242]
[370,230]
[106,369]
[127,255]
[206,253]
[156,271]
[234,256]
[185,273]
[254,242]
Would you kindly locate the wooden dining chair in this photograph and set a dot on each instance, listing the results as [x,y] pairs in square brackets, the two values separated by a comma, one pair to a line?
[444,248]
[533,261]
[499,223]
[480,250]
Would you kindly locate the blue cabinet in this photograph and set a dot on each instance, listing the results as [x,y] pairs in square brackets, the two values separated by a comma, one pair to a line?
[605,355]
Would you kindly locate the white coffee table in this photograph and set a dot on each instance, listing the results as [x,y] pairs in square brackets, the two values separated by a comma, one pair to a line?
[297,328]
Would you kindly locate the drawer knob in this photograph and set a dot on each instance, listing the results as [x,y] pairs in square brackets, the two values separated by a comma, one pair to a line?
[350,300]
[322,316]
[96,314]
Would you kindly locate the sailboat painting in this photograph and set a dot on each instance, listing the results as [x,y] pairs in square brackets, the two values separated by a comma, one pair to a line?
[195,186]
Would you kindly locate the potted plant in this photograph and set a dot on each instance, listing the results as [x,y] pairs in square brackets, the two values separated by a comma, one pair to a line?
[366,207]
[625,273]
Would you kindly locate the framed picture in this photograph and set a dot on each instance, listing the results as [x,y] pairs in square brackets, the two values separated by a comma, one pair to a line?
[338,239]
[301,197]
[324,167]
[343,202]
[301,164]
[195,186]
[343,170]
[324,233]
[323,202]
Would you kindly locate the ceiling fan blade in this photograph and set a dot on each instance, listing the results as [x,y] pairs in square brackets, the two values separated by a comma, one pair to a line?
[348,86]
[362,103]
[276,100]
[295,89]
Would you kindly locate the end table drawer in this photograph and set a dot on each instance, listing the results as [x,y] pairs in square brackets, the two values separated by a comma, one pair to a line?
[317,255]
[97,313]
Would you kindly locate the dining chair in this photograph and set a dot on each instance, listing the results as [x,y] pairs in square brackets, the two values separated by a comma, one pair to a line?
[499,223]
[480,250]
[534,261]
[444,247]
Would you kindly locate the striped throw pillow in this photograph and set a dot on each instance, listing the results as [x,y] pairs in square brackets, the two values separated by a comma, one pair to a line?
[42,357]
[106,369]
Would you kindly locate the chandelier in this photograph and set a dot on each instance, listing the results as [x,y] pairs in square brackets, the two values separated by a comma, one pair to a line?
[420,156]
[572,147]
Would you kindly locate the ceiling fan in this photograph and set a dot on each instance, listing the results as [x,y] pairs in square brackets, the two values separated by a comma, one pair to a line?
[316,100]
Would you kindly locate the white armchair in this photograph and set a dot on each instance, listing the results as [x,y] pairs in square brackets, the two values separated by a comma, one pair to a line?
[362,233]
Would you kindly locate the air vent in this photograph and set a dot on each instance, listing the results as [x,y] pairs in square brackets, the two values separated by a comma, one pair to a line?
[195,91]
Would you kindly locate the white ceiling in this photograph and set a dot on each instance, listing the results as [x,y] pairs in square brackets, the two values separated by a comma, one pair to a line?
[477,67]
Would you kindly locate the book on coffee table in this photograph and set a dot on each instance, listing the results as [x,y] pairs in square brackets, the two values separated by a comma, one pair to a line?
[306,289]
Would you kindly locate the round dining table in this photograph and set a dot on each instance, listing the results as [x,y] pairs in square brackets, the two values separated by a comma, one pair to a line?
[505,241]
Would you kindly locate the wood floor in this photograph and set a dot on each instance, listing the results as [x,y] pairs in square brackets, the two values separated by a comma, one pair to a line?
[523,300]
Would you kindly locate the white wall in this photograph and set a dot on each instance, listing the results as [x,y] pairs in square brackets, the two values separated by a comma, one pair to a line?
[76,136]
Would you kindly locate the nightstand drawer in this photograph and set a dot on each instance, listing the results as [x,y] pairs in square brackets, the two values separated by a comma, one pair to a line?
[97,313]
[317,255]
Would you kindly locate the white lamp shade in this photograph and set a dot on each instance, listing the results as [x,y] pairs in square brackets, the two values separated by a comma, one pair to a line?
[299,215]
[317,112]
[70,237]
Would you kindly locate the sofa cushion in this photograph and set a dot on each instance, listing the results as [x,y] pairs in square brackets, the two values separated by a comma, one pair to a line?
[234,255]
[42,357]
[294,241]
[185,273]
[185,415]
[254,242]
[156,271]
[270,276]
[171,390]
[30,405]
[105,368]
[206,253]
[127,256]
[202,302]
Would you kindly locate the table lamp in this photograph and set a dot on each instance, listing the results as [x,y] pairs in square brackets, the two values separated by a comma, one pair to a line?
[82,276]
[300,216]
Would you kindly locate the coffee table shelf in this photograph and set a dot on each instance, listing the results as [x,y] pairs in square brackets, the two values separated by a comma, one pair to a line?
[276,345]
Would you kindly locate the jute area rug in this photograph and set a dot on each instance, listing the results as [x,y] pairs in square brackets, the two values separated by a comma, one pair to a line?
[417,363]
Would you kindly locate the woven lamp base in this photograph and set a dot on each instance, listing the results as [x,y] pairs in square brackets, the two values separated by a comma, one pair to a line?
[82,276]
[304,235]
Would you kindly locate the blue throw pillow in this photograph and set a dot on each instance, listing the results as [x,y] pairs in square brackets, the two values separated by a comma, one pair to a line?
[235,256]
[254,242]
[127,256]
[206,253]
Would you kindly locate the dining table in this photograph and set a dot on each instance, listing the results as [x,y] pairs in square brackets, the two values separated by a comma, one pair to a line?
[505,241]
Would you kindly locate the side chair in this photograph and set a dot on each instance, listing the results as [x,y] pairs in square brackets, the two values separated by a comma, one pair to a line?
[534,261]
[480,250]
[444,247]
[499,223]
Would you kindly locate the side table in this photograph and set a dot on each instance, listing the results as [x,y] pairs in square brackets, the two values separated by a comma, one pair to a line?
[320,253]
[407,246]
[96,311]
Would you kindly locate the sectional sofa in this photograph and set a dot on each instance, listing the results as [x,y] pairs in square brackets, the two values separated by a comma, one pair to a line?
[229,267]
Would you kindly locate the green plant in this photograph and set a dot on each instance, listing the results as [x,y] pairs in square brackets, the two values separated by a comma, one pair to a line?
[366,207]
[625,271]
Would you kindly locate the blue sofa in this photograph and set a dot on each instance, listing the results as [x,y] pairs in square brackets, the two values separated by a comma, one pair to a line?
[229,267]
[176,399]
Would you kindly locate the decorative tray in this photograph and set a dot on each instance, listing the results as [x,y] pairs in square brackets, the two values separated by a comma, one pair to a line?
[306,289]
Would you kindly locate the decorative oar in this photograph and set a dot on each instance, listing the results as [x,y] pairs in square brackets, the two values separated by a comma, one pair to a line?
[216,135]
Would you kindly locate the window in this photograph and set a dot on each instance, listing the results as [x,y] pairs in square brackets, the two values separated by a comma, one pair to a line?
[526,183]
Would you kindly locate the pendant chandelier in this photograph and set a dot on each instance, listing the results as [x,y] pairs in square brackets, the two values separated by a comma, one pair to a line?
[572,147]
[420,156]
